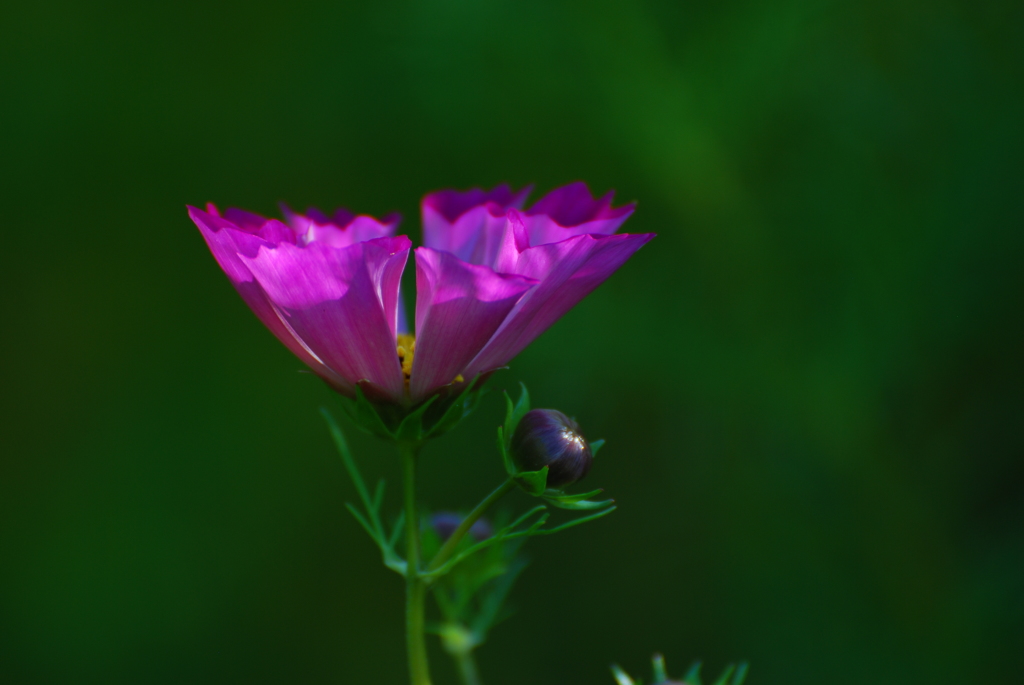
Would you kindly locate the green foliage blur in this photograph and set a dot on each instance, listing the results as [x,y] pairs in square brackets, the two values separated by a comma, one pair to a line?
[810,382]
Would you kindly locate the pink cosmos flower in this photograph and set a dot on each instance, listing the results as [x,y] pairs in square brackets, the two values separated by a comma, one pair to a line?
[490,279]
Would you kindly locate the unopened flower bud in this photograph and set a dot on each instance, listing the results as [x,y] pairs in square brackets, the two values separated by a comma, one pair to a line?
[444,524]
[546,437]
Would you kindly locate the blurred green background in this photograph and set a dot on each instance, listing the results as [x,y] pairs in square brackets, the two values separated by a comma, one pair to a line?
[810,382]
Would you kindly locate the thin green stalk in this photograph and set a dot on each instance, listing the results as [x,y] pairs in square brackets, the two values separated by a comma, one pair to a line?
[467,667]
[416,589]
[453,541]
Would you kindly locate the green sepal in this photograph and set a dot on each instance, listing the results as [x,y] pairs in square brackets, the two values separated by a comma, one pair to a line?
[658,666]
[506,458]
[595,446]
[737,676]
[621,677]
[364,415]
[411,427]
[534,482]
[732,675]
[564,497]
[726,674]
[464,404]
[580,502]
[581,506]
[514,413]
[436,415]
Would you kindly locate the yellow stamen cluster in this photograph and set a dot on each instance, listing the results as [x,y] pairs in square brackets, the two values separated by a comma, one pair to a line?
[406,350]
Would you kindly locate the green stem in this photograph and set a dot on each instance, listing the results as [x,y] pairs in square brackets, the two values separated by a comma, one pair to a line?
[467,667]
[416,589]
[453,541]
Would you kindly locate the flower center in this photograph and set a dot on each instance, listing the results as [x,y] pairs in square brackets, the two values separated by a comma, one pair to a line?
[406,350]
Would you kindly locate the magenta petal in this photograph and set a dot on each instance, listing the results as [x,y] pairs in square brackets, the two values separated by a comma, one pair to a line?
[340,230]
[514,240]
[247,221]
[571,210]
[451,204]
[458,308]
[341,218]
[274,231]
[225,242]
[270,230]
[568,271]
[474,237]
[342,303]
[468,224]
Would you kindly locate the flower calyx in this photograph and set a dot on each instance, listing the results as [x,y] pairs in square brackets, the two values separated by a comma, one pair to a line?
[544,451]
[549,438]
[438,414]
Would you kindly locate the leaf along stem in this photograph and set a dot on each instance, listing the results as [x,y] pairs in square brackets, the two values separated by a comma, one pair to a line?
[370,522]
[506,534]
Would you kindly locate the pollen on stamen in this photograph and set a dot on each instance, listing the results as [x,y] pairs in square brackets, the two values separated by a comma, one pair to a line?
[406,351]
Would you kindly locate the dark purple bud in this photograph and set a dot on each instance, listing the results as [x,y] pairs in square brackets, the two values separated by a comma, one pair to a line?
[444,524]
[546,437]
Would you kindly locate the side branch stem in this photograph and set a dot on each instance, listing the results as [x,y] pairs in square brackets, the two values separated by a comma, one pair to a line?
[416,589]
[453,541]
[467,667]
